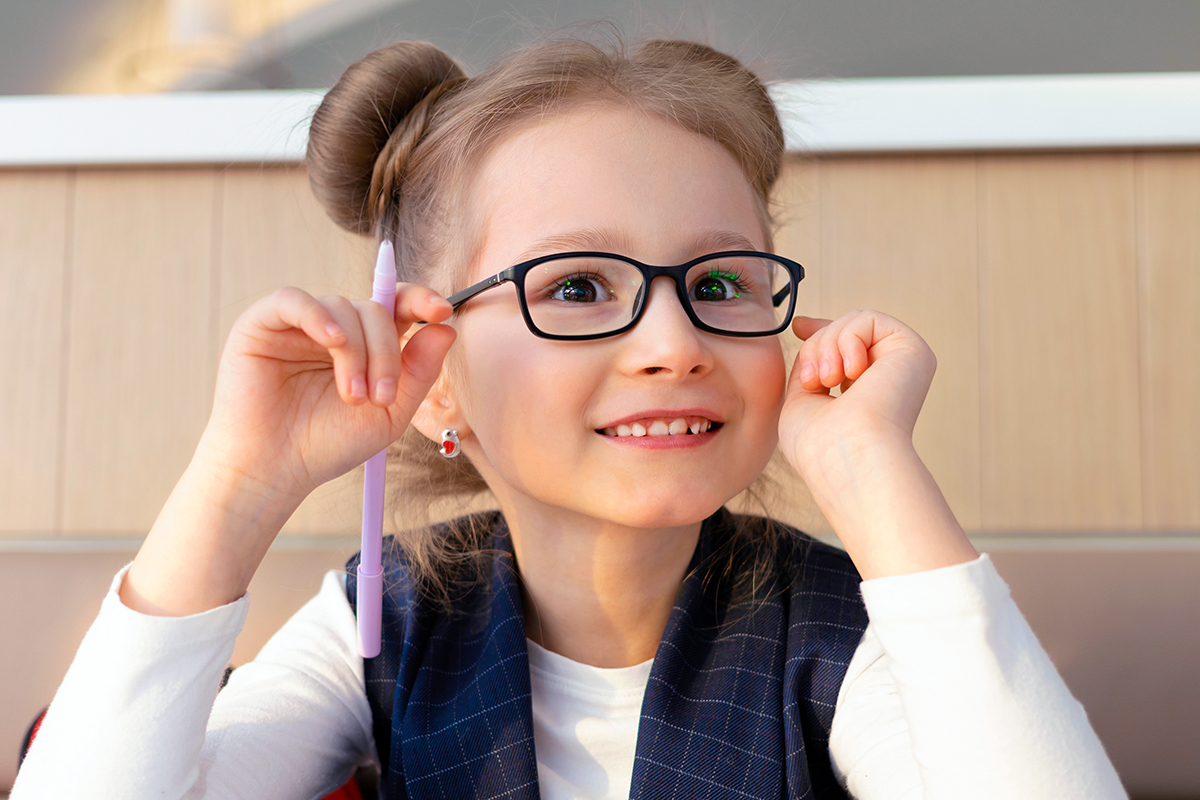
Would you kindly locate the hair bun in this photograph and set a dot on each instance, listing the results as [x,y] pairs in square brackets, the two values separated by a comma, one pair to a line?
[367,126]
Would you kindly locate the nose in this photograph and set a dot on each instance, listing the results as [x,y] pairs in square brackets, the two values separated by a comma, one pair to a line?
[665,341]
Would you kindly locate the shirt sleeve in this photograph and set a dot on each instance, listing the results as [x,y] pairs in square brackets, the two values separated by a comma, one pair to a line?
[950,695]
[138,714]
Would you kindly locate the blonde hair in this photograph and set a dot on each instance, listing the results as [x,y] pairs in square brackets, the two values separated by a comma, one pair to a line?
[396,141]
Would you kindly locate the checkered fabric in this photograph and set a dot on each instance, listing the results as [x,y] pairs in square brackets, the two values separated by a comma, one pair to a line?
[739,703]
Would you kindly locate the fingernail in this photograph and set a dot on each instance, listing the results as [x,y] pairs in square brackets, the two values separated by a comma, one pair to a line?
[441,301]
[385,390]
[358,387]
[846,367]
[826,368]
[333,329]
[807,372]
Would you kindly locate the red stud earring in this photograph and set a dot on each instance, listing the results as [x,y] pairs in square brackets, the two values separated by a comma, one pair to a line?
[449,448]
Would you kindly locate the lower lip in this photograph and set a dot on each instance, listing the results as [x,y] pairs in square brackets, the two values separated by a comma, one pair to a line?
[648,442]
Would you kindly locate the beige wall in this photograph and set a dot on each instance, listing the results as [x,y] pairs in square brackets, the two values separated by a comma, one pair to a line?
[1058,292]
[118,289]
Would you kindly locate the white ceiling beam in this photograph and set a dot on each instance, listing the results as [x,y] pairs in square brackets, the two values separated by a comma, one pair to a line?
[888,115]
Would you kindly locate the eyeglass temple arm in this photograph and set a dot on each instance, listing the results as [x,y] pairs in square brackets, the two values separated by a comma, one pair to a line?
[781,295]
[458,298]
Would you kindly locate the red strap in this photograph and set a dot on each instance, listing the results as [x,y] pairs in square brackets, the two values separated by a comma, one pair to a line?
[37,726]
[348,792]
[31,735]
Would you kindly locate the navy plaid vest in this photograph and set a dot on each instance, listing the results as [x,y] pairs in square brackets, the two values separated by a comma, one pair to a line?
[739,703]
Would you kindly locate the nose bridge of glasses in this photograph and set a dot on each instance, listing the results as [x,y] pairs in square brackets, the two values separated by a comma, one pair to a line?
[662,280]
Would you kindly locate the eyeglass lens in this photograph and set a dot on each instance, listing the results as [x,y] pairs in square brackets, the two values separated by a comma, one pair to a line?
[593,295]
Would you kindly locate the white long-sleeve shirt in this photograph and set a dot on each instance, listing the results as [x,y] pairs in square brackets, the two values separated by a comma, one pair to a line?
[949,695]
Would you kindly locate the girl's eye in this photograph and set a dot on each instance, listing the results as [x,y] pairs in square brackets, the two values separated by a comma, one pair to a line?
[580,289]
[717,286]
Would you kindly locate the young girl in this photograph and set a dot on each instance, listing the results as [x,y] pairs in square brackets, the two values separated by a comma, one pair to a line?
[611,630]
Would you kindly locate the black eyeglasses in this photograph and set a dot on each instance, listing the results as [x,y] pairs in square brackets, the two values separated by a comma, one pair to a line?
[586,295]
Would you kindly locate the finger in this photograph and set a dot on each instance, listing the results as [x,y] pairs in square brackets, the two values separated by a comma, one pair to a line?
[421,364]
[829,356]
[289,308]
[806,369]
[350,357]
[804,327]
[853,341]
[382,346]
[419,304]
[812,362]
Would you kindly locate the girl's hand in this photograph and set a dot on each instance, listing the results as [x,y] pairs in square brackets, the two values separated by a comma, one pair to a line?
[308,388]
[884,370]
[855,451]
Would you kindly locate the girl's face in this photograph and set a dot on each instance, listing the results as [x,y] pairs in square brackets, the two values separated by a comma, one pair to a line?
[610,179]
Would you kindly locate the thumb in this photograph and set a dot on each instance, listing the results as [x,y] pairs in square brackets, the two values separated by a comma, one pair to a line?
[800,408]
[421,364]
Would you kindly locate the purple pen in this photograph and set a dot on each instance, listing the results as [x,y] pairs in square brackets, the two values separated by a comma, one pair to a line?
[370,564]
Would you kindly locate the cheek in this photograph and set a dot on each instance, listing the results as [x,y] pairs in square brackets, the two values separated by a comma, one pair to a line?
[522,390]
[764,375]
[488,366]
[765,379]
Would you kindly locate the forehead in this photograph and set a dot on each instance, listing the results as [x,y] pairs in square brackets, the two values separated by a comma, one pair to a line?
[609,178]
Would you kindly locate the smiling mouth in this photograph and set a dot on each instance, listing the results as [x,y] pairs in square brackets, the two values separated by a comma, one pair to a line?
[679,426]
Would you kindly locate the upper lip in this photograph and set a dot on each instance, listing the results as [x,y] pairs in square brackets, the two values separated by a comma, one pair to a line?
[664,413]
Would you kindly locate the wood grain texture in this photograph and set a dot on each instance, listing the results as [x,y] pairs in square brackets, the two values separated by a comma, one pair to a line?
[797,212]
[1059,343]
[1169,200]
[33,263]
[898,234]
[1086,400]
[140,366]
[275,234]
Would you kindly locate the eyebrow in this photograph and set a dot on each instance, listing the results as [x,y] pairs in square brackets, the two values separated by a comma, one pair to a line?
[610,241]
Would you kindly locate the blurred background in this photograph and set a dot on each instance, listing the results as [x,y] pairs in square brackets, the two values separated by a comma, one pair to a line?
[85,46]
[1020,181]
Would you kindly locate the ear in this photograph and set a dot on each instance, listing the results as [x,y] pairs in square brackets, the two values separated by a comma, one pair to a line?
[439,411]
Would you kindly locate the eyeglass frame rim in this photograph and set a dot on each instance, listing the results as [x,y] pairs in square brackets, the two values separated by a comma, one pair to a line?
[678,274]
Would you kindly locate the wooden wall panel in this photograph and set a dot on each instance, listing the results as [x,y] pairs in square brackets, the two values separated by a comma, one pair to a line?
[797,212]
[275,234]
[1078,429]
[1169,195]
[898,234]
[140,361]
[1059,333]
[797,209]
[33,263]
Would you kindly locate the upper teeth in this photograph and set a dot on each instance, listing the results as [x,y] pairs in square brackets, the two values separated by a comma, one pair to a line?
[660,427]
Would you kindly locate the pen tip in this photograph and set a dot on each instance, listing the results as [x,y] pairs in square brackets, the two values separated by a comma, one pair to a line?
[385,262]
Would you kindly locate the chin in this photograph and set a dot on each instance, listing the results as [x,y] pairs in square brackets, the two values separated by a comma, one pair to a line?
[677,512]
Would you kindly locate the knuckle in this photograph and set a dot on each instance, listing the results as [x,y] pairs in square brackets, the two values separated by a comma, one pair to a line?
[290,293]
[384,365]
